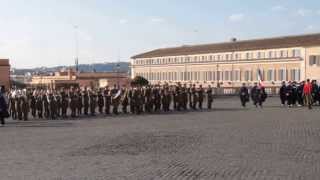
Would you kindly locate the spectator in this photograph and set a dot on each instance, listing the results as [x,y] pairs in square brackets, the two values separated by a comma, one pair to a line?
[3,106]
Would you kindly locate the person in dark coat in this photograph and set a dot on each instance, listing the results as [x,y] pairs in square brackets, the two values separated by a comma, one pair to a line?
[289,94]
[64,104]
[13,110]
[300,94]
[244,95]
[283,93]
[315,92]
[25,107]
[93,103]
[19,107]
[184,95]
[194,97]
[125,99]
[33,105]
[257,95]
[79,103]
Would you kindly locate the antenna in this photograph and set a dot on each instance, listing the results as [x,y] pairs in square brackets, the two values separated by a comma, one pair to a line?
[76,48]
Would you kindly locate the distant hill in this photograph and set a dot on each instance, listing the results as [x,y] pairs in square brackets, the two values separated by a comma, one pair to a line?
[96,67]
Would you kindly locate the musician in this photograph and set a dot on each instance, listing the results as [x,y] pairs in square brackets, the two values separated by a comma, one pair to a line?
[115,94]
[124,99]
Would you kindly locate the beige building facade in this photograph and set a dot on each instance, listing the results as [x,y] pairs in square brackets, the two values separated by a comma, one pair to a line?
[229,64]
[5,73]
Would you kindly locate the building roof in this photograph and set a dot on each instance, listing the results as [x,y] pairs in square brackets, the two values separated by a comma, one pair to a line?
[4,62]
[99,75]
[245,45]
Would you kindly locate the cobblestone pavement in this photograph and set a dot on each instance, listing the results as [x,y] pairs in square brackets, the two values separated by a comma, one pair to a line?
[229,142]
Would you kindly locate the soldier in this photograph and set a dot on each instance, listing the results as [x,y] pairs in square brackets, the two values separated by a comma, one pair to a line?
[107,100]
[46,105]
[148,100]
[157,98]
[115,99]
[314,92]
[258,95]
[57,97]
[85,101]
[52,106]
[189,91]
[166,99]
[79,103]
[19,105]
[244,95]
[200,96]
[137,96]
[93,103]
[209,97]
[39,105]
[184,95]
[64,104]
[295,93]
[25,106]
[13,110]
[33,104]
[100,102]
[73,103]
[131,100]
[125,99]
[194,97]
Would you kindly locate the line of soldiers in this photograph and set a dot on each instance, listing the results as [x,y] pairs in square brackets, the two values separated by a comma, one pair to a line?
[73,102]
[292,93]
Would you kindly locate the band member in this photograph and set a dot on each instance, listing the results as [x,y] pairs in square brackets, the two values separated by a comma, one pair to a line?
[209,97]
[125,99]
[107,100]
[100,102]
[85,101]
[115,93]
[244,95]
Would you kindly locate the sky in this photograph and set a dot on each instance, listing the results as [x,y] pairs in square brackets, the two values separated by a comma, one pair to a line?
[38,33]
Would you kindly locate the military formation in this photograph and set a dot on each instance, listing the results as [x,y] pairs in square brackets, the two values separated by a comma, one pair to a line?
[75,102]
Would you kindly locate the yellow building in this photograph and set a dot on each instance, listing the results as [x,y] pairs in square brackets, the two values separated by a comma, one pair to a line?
[229,64]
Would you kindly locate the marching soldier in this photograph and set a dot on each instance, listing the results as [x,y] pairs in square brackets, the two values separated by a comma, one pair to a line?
[52,106]
[39,105]
[124,100]
[283,93]
[13,110]
[46,105]
[64,104]
[85,102]
[33,104]
[107,100]
[115,99]
[100,101]
[79,103]
[209,97]
[194,97]
[200,96]
[73,104]
[93,103]
[25,106]
[19,106]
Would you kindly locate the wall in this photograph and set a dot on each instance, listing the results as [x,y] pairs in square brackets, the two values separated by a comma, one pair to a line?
[5,73]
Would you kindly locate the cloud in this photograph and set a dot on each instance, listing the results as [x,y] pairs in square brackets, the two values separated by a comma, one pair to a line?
[304,12]
[123,21]
[157,20]
[278,8]
[236,17]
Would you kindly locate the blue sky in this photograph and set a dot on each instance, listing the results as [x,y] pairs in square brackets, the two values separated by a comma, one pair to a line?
[41,32]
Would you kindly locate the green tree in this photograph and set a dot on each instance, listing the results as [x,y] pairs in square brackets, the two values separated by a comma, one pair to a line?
[139,81]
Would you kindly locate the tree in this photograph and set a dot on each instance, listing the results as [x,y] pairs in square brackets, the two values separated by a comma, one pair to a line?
[139,81]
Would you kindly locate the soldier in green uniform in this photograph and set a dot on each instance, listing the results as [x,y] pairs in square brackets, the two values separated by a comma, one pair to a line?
[100,101]
[85,102]
[107,99]
[200,96]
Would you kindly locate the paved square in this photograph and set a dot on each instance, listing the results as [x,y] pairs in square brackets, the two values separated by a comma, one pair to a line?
[228,142]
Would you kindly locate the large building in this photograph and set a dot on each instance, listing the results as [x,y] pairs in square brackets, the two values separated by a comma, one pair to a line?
[5,73]
[229,64]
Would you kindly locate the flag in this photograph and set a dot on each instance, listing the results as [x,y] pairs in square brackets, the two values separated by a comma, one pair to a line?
[260,77]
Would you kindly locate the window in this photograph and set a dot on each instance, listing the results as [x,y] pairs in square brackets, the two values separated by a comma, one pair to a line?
[282,75]
[247,55]
[227,56]
[259,55]
[296,53]
[271,54]
[270,75]
[295,74]
[247,75]
[236,76]
[314,60]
